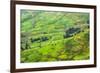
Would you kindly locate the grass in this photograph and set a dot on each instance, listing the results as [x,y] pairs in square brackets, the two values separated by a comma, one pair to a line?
[53,26]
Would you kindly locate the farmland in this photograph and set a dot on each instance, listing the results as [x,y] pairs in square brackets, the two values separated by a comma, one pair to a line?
[54,36]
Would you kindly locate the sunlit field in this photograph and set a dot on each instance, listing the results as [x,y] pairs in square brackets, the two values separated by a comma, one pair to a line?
[54,36]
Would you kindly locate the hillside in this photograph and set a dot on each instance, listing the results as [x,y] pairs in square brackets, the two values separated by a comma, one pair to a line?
[54,36]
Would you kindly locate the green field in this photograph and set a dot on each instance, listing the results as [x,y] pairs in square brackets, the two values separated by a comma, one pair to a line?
[54,36]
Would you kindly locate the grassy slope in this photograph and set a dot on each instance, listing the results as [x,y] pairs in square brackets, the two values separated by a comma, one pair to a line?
[56,48]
